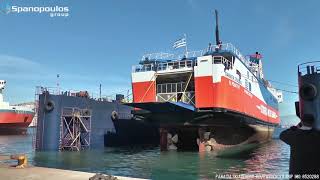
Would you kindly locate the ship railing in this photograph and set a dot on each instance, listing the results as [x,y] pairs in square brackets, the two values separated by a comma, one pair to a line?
[173,65]
[77,93]
[163,66]
[168,56]
[153,58]
[143,68]
[192,54]
[231,48]
[50,90]
[157,56]
[312,67]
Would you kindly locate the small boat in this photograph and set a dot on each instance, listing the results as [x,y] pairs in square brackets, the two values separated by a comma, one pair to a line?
[13,119]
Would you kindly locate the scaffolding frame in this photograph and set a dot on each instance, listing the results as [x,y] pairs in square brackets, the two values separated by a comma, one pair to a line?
[75,129]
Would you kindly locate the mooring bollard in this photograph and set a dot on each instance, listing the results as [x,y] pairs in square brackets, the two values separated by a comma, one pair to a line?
[22,160]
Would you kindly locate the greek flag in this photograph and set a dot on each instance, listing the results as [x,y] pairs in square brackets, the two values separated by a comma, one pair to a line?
[180,43]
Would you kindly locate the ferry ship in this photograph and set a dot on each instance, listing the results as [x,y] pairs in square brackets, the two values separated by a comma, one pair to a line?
[13,119]
[211,99]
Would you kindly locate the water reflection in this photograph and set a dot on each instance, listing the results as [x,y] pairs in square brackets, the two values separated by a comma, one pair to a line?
[270,158]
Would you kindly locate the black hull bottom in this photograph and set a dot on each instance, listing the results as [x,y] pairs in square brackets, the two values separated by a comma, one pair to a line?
[13,131]
[208,130]
[190,130]
[200,117]
[217,137]
[130,132]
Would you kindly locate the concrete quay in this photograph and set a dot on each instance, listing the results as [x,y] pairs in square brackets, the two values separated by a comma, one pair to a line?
[42,173]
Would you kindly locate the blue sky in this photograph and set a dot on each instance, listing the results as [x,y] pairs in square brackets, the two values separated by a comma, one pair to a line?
[101,40]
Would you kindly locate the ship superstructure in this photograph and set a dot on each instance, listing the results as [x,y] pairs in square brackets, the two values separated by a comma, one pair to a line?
[220,78]
[215,90]
[13,119]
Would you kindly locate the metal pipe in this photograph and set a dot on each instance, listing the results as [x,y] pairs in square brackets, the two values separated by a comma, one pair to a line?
[217,28]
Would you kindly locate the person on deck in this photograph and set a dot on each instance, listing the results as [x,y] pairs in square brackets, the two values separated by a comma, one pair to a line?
[258,55]
[255,58]
[304,144]
[209,48]
[219,46]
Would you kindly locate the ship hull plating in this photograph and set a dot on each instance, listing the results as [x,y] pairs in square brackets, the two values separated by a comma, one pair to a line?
[132,132]
[102,128]
[14,122]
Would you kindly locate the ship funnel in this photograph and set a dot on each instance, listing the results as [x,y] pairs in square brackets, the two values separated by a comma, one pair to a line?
[217,28]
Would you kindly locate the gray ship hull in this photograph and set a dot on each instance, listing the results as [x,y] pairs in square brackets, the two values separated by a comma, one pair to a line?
[50,120]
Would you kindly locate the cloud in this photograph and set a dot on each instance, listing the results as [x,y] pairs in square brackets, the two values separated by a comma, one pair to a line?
[13,67]
[24,74]
[13,61]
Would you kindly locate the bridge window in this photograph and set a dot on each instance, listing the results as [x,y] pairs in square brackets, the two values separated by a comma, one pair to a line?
[217,60]
[239,74]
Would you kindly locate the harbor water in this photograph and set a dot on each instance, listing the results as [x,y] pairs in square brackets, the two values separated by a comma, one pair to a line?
[148,162]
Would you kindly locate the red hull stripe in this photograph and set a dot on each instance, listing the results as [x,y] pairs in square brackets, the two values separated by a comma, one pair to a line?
[204,92]
[144,91]
[225,94]
[19,119]
[230,95]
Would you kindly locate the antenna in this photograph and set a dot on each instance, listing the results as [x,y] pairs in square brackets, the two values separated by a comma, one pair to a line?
[58,84]
[100,92]
[217,28]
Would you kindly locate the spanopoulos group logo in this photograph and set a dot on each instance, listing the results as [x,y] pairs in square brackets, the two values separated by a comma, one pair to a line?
[52,11]
[5,9]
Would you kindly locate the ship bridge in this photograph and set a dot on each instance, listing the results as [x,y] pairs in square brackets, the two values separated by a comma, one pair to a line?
[166,62]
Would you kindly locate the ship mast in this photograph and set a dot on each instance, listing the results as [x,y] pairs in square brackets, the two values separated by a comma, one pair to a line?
[2,86]
[217,28]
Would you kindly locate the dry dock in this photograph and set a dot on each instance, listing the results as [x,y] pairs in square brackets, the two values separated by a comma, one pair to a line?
[41,173]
